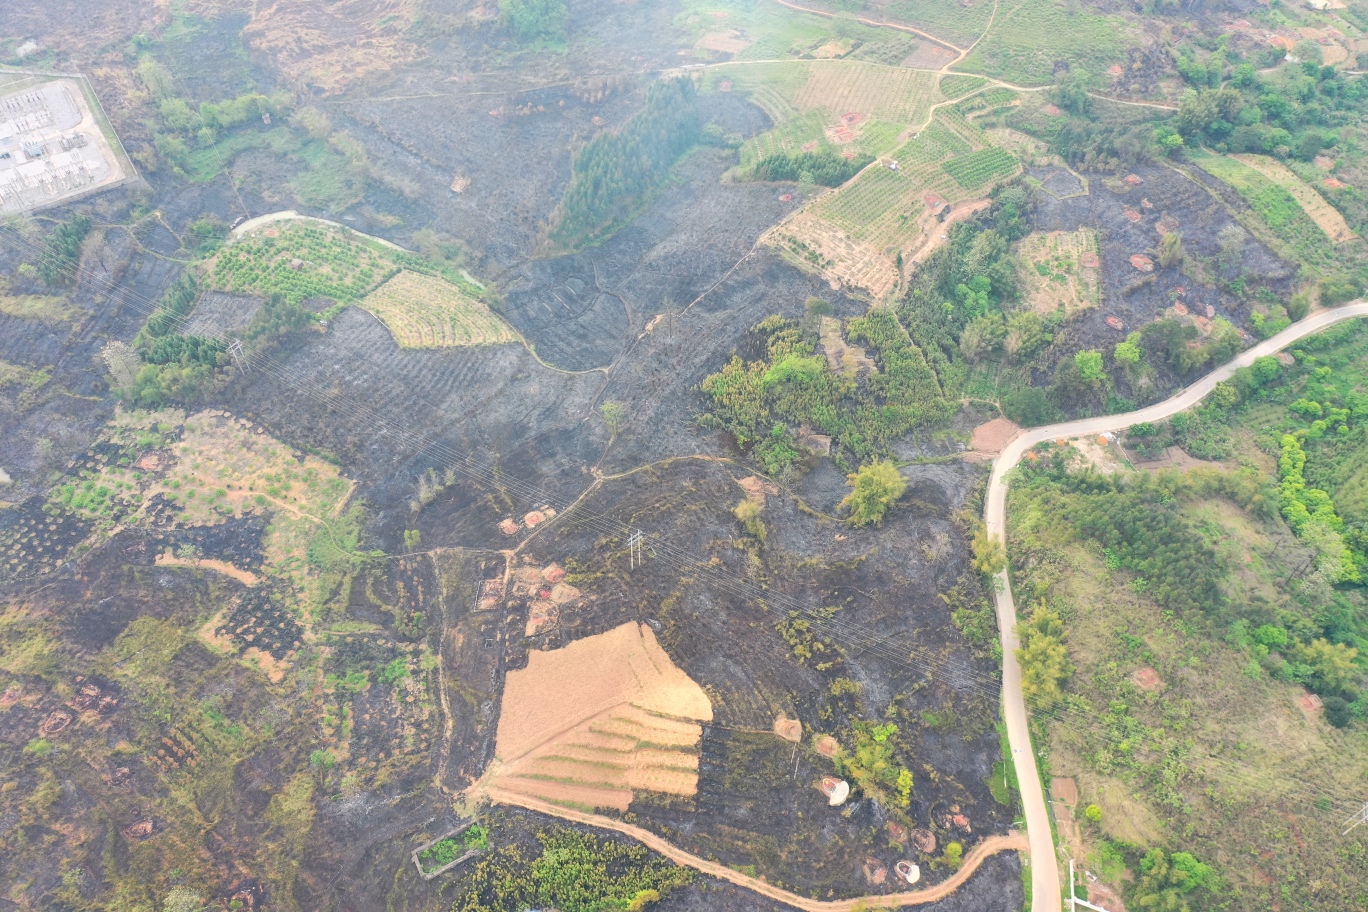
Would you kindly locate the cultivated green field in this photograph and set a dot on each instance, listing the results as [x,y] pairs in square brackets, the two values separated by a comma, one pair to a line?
[1025,43]
[1292,230]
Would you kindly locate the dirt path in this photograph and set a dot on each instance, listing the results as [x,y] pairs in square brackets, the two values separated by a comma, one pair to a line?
[877,24]
[990,846]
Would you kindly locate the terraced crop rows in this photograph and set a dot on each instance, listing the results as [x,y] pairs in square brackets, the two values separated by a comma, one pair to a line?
[856,235]
[427,312]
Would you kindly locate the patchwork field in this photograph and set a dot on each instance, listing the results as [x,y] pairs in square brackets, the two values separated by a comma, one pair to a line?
[206,469]
[588,725]
[1278,211]
[424,311]
[863,233]
[1326,216]
[842,105]
[304,258]
[1054,271]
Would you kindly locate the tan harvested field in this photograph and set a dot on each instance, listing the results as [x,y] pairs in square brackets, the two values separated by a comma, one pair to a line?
[1326,216]
[1052,273]
[424,311]
[590,724]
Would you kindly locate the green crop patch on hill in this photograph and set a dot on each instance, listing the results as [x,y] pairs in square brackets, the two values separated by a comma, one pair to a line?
[1026,43]
[1291,228]
[981,167]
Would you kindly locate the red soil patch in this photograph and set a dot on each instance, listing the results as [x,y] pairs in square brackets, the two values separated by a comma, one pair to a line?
[1166,225]
[1180,308]
[841,135]
[1052,111]
[1142,263]
[1146,679]
[1116,323]
[789,729]
[1134,180]
[852,118]
[990,437]
[1116,70]
[924,841]
[1132,215]
[509,526]
[1064,790]
[724,86]
[1310,705]
[848,155]
[827,746]
[1334,184]
[1089,260]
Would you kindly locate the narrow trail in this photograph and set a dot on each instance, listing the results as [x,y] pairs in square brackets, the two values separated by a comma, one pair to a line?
[981,852]
[1045,880]
[874,23]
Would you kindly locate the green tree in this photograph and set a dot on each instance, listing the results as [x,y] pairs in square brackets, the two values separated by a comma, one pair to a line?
[1045,664]
[1127,354]
[1089,365]
[954,854]
[1333,669]
[614,413]
[1093,813]
[530,20]
[1026,335]
[748,512]
[875,487]
[990,556]
[1170,249]
[982,336]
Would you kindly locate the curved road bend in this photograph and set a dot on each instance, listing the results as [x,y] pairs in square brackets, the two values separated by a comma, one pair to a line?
[1045,881]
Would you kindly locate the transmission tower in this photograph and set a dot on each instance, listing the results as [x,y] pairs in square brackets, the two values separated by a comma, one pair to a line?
[1360,817]
[634,548]
[235,352]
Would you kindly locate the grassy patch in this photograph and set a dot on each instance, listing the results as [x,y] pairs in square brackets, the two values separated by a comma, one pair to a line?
[429,312]
[1025,43]
[1292,230]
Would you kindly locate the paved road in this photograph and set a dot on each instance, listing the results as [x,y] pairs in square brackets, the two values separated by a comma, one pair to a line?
[1045,879]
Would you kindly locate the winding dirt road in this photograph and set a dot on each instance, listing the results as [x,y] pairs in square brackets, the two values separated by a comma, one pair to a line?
[1045,879]
[990,846]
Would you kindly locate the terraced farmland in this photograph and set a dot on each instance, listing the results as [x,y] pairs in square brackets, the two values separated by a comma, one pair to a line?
[1326,216]
[844,105]
[981,167]
[588,725]
[423,311]
[856,235]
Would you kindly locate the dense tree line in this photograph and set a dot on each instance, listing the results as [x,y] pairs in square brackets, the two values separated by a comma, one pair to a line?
[573,872]
[181,367]
[617,172]
[824,167]
[62,253]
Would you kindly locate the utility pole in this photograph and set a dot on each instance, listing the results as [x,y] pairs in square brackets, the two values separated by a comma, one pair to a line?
[1075,902]
[1360,817]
